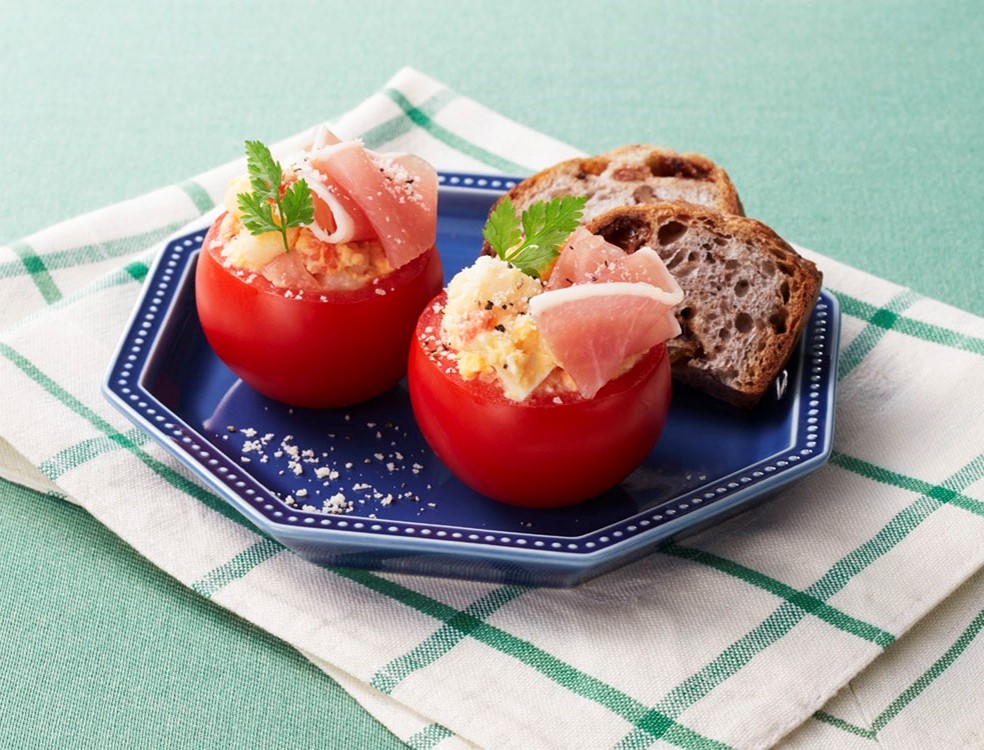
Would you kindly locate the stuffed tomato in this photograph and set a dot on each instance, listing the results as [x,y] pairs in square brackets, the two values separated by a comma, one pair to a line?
[546,450]
[544,389]
[309,284]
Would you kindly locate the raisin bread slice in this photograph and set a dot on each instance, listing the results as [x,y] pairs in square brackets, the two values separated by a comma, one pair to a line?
[630,175]
[747,293]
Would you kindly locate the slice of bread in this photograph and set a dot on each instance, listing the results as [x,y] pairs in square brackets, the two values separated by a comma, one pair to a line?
[630,175]
[747,293]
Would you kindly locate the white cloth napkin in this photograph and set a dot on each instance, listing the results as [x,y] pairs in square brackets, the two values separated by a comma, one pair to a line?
[735,637]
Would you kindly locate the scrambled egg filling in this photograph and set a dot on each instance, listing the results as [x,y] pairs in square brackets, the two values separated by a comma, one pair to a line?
[317,265]
[487,322]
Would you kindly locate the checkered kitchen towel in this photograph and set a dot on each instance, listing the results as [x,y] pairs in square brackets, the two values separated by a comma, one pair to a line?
[786,619]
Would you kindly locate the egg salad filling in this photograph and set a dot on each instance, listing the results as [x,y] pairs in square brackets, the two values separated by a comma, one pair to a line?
[488,326]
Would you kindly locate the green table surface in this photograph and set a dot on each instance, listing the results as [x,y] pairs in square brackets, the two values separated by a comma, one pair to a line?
[851,128]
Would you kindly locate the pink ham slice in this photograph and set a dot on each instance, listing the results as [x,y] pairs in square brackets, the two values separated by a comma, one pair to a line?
[588,258]
[323,136]
[392,198]
[595,330]
[602,307]
[337,216]
[287,271]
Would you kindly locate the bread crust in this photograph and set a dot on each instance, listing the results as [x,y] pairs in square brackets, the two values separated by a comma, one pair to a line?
[630,175]
[748,293]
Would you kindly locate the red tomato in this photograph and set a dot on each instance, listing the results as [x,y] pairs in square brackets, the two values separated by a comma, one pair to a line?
[536,453]
[308,352]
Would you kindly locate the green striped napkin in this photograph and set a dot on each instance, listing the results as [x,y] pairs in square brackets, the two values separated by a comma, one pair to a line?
[782,625]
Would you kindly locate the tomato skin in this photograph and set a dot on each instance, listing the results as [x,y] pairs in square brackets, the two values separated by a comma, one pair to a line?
[536,453]
[307,352]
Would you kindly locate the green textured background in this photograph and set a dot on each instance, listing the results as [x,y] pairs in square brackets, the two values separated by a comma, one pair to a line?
[851,128]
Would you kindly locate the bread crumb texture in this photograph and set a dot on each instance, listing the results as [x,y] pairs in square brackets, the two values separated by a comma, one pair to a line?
[747,293]
[632,175]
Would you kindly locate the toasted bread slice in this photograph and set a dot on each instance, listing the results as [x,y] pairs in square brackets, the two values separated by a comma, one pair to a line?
[630,175]
[747,293]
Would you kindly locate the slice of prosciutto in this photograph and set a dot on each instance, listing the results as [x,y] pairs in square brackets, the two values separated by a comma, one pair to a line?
[602,308]
[596,331]
[287,271]
[587,258]
[359,194]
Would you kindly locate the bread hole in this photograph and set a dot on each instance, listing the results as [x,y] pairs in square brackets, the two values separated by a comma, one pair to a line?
[661,165]
[674,260]
[720,241]
[593,166]
[744,322]
[742,287]
[687,313]
[730,264]
[724,334]
[787,268]
[644,194]
[768,267]
[670,232]
[778,320]
[630,174]
[624,233]
[784,291]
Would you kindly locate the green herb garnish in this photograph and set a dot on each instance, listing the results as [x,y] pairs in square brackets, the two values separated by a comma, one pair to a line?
[532,241]
[294,207]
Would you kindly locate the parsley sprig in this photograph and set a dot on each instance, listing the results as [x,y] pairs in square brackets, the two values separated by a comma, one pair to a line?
[294,207]
[532,241]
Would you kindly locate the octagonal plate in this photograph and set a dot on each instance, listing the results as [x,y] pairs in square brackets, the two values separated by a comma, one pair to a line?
[359,486]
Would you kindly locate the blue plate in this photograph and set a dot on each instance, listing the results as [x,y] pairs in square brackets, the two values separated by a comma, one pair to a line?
[359,486]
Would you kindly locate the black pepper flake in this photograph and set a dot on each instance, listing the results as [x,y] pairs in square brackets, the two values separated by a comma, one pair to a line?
[488,304]
[500,328]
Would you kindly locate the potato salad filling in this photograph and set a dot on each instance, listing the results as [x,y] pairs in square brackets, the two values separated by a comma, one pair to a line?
[487,324]
[310,264]
[336,217]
